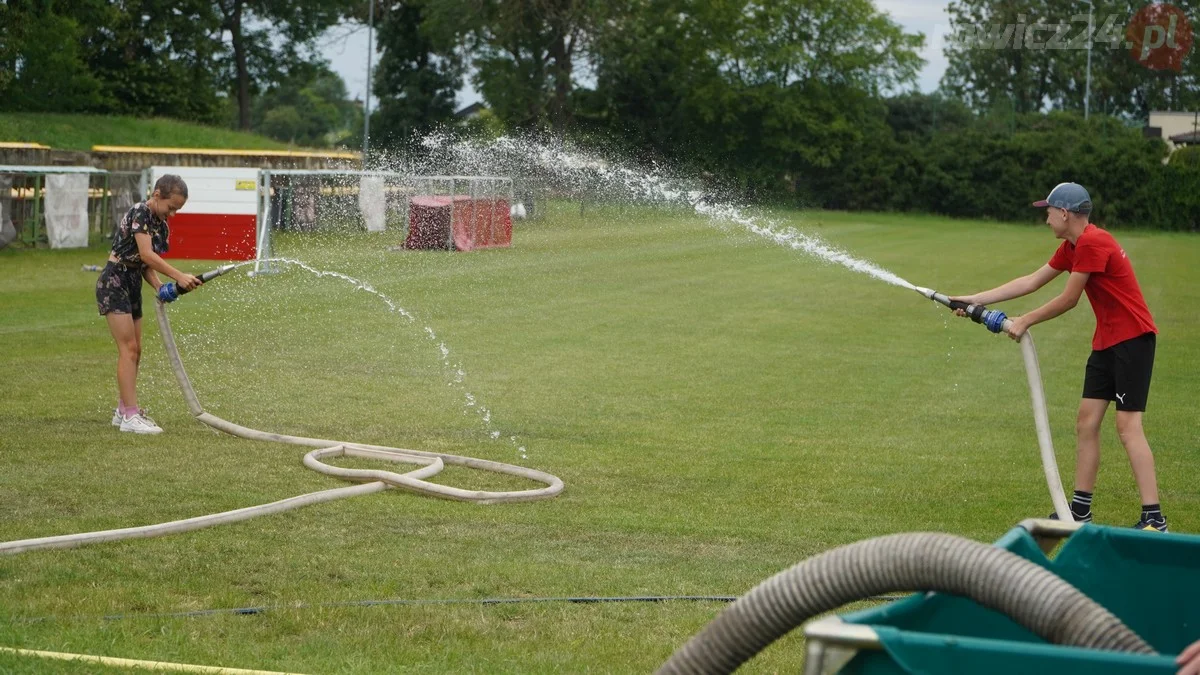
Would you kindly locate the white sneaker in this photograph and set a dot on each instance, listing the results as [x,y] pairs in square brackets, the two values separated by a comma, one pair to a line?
[116,420]
[140,424]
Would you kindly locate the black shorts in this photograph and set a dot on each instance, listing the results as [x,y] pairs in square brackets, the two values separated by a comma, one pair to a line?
[119,290]
[1121,373]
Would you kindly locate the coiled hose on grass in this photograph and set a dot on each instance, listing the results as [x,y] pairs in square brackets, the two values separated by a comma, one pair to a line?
[1031,595]
[430,463]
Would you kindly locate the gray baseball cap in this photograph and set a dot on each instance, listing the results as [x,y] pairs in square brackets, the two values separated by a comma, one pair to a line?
[1069,196]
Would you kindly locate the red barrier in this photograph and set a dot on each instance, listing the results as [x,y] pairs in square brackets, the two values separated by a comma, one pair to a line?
[206,236]
[477,223]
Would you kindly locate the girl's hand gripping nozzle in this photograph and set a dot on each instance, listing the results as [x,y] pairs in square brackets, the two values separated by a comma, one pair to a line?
[170,292]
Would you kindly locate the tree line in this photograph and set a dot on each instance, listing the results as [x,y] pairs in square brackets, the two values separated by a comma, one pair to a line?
[248,64]
[802,101]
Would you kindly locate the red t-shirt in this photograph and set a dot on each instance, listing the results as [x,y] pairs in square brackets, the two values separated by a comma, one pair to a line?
[1121,311]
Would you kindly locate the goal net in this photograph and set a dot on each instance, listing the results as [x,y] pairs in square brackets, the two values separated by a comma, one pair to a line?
[457,213]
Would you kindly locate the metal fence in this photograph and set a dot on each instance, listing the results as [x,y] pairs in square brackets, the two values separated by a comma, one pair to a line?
[23,192]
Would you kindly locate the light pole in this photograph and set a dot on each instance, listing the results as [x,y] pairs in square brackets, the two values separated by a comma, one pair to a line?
[367,103]
[1087,91]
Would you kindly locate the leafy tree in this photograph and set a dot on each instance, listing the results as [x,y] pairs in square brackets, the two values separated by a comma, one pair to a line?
[308,107]
[777,90]
[916,116]
[988,62]
[838,42]
[651,67]
[255,27]
[1188,156]
[1030,55]
[484,125]
[44,68]
[419,72]
[1124,86]
[154,58]
[523,53]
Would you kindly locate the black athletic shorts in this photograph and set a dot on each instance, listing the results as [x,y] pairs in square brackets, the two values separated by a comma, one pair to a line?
[119,290]
[1121,373]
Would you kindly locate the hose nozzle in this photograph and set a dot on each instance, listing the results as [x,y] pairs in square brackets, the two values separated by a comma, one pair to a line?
[210,275]
[213,274]
[934,295]
[992,319]
[170,292]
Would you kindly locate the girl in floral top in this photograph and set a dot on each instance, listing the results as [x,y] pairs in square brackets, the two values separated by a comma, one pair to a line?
[138,242]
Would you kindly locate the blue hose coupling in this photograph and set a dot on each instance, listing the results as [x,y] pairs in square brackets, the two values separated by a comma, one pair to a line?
[168,292]
[994,320]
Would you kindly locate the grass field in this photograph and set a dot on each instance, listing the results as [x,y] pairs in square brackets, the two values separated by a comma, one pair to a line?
[81,132]
[719,408]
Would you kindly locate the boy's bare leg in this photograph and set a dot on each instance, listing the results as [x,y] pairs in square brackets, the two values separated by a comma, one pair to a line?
[1087,438]
[1141,459]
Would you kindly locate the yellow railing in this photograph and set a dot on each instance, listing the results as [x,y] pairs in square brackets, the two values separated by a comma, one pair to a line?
[329,154]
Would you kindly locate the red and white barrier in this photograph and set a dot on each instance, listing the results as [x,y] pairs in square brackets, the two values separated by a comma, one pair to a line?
[219,219]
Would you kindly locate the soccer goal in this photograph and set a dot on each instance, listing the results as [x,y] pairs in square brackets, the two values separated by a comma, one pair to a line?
[457,213]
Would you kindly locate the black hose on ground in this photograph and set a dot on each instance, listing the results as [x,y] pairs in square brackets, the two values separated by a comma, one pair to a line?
[1032,596]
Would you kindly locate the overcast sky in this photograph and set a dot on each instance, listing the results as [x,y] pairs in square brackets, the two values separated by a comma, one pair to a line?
[346,46]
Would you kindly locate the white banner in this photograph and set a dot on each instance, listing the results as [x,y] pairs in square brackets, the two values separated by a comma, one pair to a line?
[66,210]
[8,233]
[372,203]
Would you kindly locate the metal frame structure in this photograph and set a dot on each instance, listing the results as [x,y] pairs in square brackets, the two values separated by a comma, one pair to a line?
[263,218]
[31,235]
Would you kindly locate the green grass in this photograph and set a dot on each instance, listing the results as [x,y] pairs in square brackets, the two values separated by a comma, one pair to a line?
[719,408]
[81,132]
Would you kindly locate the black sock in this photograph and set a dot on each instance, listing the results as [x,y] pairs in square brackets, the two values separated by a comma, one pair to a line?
[1152,512]
[1081,503]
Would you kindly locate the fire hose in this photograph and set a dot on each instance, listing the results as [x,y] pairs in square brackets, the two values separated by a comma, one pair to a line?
[1028,593]
[429,464]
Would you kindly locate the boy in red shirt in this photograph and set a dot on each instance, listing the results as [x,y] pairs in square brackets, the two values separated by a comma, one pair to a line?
[1122,348]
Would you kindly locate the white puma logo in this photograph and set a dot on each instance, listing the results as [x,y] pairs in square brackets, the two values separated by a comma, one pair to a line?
[1121,398]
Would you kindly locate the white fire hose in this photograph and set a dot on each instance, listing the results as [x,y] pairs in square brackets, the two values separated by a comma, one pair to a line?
[995,321]
[430,463]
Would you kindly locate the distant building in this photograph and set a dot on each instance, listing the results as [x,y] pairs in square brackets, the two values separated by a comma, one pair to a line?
[1189,138]
[1176,128]
[471,112]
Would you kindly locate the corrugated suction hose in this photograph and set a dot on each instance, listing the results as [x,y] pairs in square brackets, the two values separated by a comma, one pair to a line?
[1031,595]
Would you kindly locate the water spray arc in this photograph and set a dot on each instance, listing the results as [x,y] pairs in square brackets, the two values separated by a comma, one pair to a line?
[370,481]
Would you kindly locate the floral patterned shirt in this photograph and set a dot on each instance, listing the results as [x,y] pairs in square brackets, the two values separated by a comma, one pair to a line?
[138,219]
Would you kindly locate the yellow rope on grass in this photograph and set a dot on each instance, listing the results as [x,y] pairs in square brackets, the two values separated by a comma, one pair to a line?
[138,663]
